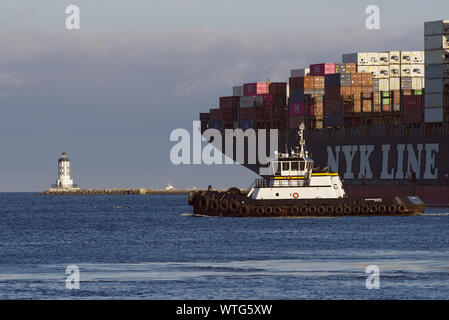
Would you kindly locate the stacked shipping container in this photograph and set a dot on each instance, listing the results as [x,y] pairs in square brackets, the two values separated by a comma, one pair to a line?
[252,105]
[394,72]
[364,85]
[436,44]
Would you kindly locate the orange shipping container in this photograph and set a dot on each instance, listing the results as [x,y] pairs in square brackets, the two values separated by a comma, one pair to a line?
[319,82]
[356,91]
[356,79]
[367,79]
[367,106]
[351,67]
[357,106]
[345,92]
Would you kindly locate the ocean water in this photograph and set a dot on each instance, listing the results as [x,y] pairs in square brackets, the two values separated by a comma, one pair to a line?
[150,247]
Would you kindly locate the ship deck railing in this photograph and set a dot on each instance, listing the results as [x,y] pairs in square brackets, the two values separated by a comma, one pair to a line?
[416,130]
[264,183]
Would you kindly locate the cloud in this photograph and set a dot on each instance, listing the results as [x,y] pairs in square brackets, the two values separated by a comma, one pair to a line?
[111,99]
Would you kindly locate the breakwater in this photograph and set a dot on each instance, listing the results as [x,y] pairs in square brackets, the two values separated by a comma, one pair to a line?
[62,191]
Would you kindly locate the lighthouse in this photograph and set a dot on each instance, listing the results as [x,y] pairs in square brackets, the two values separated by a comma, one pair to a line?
[64,180]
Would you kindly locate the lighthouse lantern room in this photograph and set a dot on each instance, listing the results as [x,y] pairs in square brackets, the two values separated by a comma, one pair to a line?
[64,180]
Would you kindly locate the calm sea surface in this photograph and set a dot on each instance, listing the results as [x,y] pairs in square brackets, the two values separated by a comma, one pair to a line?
[149,247]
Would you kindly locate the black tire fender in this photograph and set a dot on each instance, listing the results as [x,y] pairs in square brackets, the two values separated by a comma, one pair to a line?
[214,205]
[234,205]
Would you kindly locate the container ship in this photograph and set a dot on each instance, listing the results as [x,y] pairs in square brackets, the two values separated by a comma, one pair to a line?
[379,119]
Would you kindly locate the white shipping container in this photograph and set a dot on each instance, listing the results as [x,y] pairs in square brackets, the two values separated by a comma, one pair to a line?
[395,70]
[247,101]
[373,58]
[384,84]
[433,115]
[384,58]
[433,100]
[436,27]
[374,70]
[363,69]
[395,57]
[417,83]
[436,71]
[437,57]
[406,70]
[300,72]
[406,57]
[418,57]
[434,86]
[436,42]
[417,70]
[237,91]
[384,71]
[360,58]
[395,84]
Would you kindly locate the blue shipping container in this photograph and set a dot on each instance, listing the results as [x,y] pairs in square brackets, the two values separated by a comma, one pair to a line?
[216,124]
[246,124]
[332,80]
[296,96]
[332,120]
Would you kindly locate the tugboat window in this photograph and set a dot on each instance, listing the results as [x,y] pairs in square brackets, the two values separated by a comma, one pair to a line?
[295,166]
[286,166]
[301,165]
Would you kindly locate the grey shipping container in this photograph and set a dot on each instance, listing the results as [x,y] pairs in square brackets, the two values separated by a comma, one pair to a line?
[406,83]
[375,84]
[437,71]
[436,27]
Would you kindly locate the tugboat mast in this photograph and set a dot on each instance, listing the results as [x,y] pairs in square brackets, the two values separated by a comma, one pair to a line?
[302,142]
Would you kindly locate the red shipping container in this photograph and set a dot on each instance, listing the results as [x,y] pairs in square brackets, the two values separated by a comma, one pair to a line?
[333,93]
[412,115]
[229,102]
[332,106]
[267,99]
[296,109]
[215,114]
[321,69]
[260,113]
[310,109]
[252,89]
[412,102]
[246,113]
[262,88]
[295,121]
[296,83]
[277,88]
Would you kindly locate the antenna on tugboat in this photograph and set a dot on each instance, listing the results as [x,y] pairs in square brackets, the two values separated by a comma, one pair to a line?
[302,142]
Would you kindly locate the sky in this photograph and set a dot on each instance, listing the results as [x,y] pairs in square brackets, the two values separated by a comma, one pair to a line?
[111,93]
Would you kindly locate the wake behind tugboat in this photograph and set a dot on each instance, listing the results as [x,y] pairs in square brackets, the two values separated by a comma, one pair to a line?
[294,189]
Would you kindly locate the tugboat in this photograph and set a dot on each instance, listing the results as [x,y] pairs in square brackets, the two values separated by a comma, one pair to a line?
[295,189]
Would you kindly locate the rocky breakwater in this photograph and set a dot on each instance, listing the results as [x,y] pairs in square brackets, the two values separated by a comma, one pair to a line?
[61,191]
